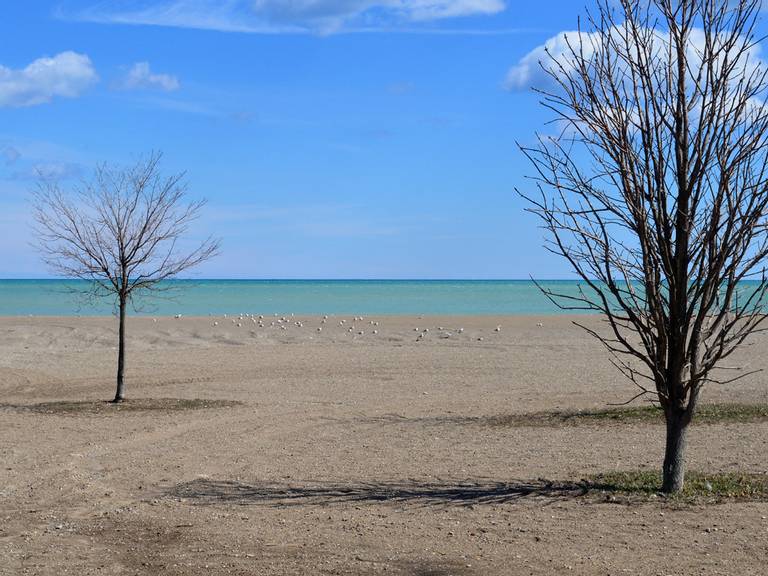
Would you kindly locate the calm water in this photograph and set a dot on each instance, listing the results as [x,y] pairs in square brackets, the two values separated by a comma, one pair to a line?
[203,297]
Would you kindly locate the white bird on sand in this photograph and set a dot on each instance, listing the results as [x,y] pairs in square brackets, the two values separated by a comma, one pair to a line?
[498,329]
[215,323]
[375,331]
[320,329]
[539,324]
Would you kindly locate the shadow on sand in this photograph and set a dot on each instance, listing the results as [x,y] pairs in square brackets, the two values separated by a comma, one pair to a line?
[90,407]
[209,491]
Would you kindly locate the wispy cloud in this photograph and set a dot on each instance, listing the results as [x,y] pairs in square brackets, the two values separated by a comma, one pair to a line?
[53,170]
[171,104]
[67,75]
[297,17]
[23,160]
[401,88]
[140,77]
[10,155]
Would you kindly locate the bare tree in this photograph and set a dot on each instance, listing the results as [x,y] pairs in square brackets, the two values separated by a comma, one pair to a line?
[656,191]
[120,231]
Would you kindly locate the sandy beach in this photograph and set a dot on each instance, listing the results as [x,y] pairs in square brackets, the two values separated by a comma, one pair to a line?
[343,452]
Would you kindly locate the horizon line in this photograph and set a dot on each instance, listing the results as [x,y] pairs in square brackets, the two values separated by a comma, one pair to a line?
[350,279]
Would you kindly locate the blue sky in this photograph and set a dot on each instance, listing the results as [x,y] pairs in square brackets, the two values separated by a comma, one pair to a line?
[332,138]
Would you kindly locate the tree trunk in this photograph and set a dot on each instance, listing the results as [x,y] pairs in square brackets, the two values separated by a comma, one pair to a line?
[674,455]
[119,395]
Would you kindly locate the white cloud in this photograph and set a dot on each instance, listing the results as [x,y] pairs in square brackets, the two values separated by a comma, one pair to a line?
[437,9]
[529,72]
[140,76]
[67,75]
[555,55]
[282,16]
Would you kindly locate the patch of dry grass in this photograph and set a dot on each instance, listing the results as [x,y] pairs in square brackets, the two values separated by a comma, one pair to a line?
[706,414]
[132,405]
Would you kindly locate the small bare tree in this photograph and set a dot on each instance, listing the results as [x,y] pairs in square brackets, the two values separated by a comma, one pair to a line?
[120,232]
[656,191]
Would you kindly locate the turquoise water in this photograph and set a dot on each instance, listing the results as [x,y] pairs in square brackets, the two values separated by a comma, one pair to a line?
[203,297]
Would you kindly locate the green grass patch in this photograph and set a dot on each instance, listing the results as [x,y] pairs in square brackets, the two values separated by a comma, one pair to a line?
[130,405]
[697,487]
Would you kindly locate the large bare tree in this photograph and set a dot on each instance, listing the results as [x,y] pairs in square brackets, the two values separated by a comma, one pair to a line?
[655,190]
[120,231]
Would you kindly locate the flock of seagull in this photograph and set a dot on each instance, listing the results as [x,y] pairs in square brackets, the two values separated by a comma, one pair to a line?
[284,322]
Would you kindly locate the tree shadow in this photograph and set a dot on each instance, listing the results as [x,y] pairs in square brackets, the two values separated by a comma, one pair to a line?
[209,491]
[91,407]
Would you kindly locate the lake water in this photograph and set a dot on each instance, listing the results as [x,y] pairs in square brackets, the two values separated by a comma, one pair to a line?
[204,297]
